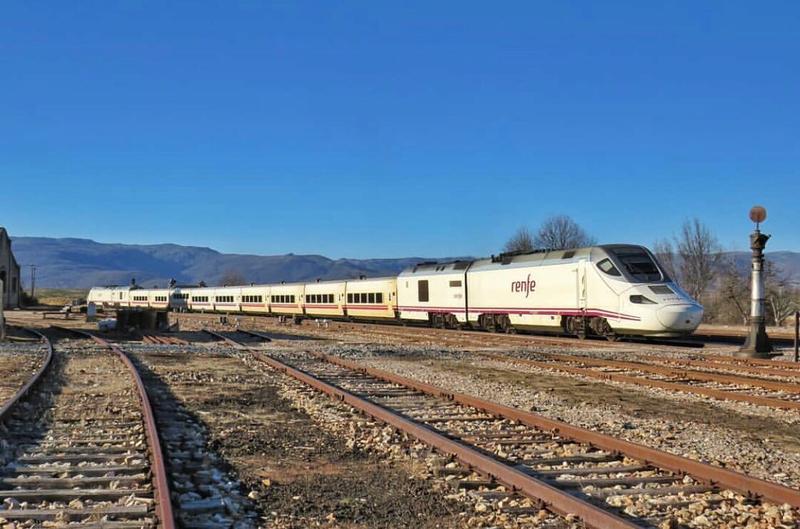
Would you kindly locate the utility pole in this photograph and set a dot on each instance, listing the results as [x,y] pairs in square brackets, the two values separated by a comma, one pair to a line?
[757,343]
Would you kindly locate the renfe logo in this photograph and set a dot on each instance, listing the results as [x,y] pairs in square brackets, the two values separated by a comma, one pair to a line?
[526,286]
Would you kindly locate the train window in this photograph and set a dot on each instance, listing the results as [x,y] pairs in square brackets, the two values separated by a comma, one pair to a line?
[608,267]
[371,298]
[422,290]
[349,298]
[568,255]
[455,283]
[379,297]
[639,264]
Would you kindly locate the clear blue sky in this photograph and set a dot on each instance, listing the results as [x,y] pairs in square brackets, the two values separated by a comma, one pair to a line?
[381,129]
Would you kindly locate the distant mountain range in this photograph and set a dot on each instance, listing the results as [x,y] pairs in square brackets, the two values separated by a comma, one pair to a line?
[83,263]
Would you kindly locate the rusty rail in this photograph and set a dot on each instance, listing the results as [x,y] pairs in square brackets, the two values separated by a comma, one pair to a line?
[163,500]
[747,485]
[48,359]
[690,374]
[230,341]
[722,359]
[660,384]
[556,500]
[743,368]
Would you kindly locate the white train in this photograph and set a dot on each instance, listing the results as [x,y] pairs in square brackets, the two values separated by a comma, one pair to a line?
[609,290]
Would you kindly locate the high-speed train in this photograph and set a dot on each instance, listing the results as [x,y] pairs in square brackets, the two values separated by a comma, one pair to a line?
[609,290]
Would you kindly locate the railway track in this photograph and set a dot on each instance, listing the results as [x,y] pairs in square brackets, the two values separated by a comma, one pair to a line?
[78,446]
[759,391]
[603,481]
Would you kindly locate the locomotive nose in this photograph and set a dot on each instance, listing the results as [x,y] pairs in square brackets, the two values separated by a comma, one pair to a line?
[683,317]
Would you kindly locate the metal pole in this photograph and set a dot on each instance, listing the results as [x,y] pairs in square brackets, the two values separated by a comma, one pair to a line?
[797,336]
[757,343]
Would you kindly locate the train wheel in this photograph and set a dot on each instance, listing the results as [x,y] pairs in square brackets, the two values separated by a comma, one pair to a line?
[609,333]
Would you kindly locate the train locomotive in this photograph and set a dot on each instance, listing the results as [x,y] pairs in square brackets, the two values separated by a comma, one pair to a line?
[610,290]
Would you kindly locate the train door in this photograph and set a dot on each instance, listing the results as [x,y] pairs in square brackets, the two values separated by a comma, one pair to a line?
[581,289]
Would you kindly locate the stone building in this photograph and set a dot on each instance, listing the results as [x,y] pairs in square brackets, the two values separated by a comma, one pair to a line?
[9,272]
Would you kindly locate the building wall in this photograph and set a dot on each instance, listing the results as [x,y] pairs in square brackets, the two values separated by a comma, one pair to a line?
[9,273]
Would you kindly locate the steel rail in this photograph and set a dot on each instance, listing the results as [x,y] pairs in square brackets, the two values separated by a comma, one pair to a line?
[48,359]
[256,334]
[743,368]
[230,341]
[556,499]
[163,499]
[711,475]
[690,374]
[660,384]
[716,476]
[752,361]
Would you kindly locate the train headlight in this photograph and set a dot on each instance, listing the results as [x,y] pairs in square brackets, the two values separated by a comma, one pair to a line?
[641,300]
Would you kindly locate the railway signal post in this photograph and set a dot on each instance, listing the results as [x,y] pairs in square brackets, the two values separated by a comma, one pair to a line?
[757,343]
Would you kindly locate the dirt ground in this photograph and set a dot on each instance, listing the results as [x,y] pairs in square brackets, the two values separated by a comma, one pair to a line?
[301,475]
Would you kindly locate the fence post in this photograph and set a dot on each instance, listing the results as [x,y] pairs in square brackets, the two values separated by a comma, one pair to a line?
[797,335]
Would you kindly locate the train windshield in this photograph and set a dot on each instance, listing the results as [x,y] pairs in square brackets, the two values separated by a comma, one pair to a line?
[639,264]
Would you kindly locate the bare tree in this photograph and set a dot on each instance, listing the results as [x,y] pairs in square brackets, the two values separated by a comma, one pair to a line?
[665,253]
[781,296]
[700,253]
[561,232]
[232,277]
[522,241]
[733,294]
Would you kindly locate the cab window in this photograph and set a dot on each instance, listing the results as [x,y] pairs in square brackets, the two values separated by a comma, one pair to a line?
[608,267]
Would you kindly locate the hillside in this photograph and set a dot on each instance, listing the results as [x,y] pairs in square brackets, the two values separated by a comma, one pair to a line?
[83,263]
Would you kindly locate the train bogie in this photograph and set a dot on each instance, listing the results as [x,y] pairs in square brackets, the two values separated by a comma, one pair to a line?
[372,298]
